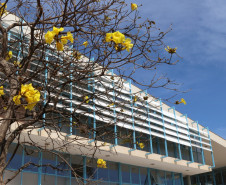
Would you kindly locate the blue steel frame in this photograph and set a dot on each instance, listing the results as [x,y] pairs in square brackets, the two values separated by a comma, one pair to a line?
[163,122]
[114,111]
[71,97]
[149,124]
[200,139]
[131,105]
[191,152]
[178,139]
[92,87]
[211,148]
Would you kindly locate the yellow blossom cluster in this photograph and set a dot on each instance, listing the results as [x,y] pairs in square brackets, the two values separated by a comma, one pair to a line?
[133,6]
[86,99]
[121,43]
[85,43]
[17,64]
[101,163]
[1,91]
[3,7]
[9,55]
[135,98]
[50,36]
[31,95]
[141,145]
[171,50]
[182,100]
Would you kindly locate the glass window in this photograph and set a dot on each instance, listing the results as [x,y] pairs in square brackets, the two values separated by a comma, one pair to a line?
[156,177]
[77,165]
[8,174]
[144,176]
[32,156]
[48,179]
[75,181]
[193,180]
[91,168]
[125,173]
[145,139]
[161,143]
[172,149]
[224,176]
[62,166]
[202,179]
[63,180]
[30,177]
[177,179]
[49,162]
[185,152]
[113,171]
[125,137]
[218,178]
[135,175]
[209,179]
[102,174]
[169,178]
[16,162]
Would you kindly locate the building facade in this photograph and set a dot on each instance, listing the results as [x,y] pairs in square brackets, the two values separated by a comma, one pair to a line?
[175,150]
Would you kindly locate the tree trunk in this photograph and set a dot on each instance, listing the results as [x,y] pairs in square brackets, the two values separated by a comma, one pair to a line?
[1,175]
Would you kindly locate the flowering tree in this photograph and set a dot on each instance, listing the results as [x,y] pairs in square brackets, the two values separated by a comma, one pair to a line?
[52,49]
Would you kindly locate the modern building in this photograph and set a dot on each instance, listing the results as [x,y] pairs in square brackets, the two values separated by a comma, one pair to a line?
[175,149]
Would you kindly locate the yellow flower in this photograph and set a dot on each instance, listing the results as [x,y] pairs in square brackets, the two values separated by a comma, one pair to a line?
[69,37]
[183,101]
[135,99]
[63,40]
[9,55]
[133,6]
[56,31]
[31,95]
[16,99]
[108,37]
[1,90]
[141,145]
[85,43]
[59,46]
[17,63]
[127,44]
[49,36]
[171,50]
[118,37]
[86,99]
[101,163]
[3,9]
[112,104]
[120,42]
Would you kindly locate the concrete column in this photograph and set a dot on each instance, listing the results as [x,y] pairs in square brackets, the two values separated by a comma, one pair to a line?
[188,180]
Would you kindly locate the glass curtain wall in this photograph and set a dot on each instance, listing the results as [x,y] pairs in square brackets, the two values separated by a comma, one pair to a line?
[216,177]
[49,169]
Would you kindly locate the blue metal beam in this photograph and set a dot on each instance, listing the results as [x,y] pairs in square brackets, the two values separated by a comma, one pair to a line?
[163,122]
[149,125]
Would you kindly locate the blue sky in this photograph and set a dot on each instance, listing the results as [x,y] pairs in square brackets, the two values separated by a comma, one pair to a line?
[199,33]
